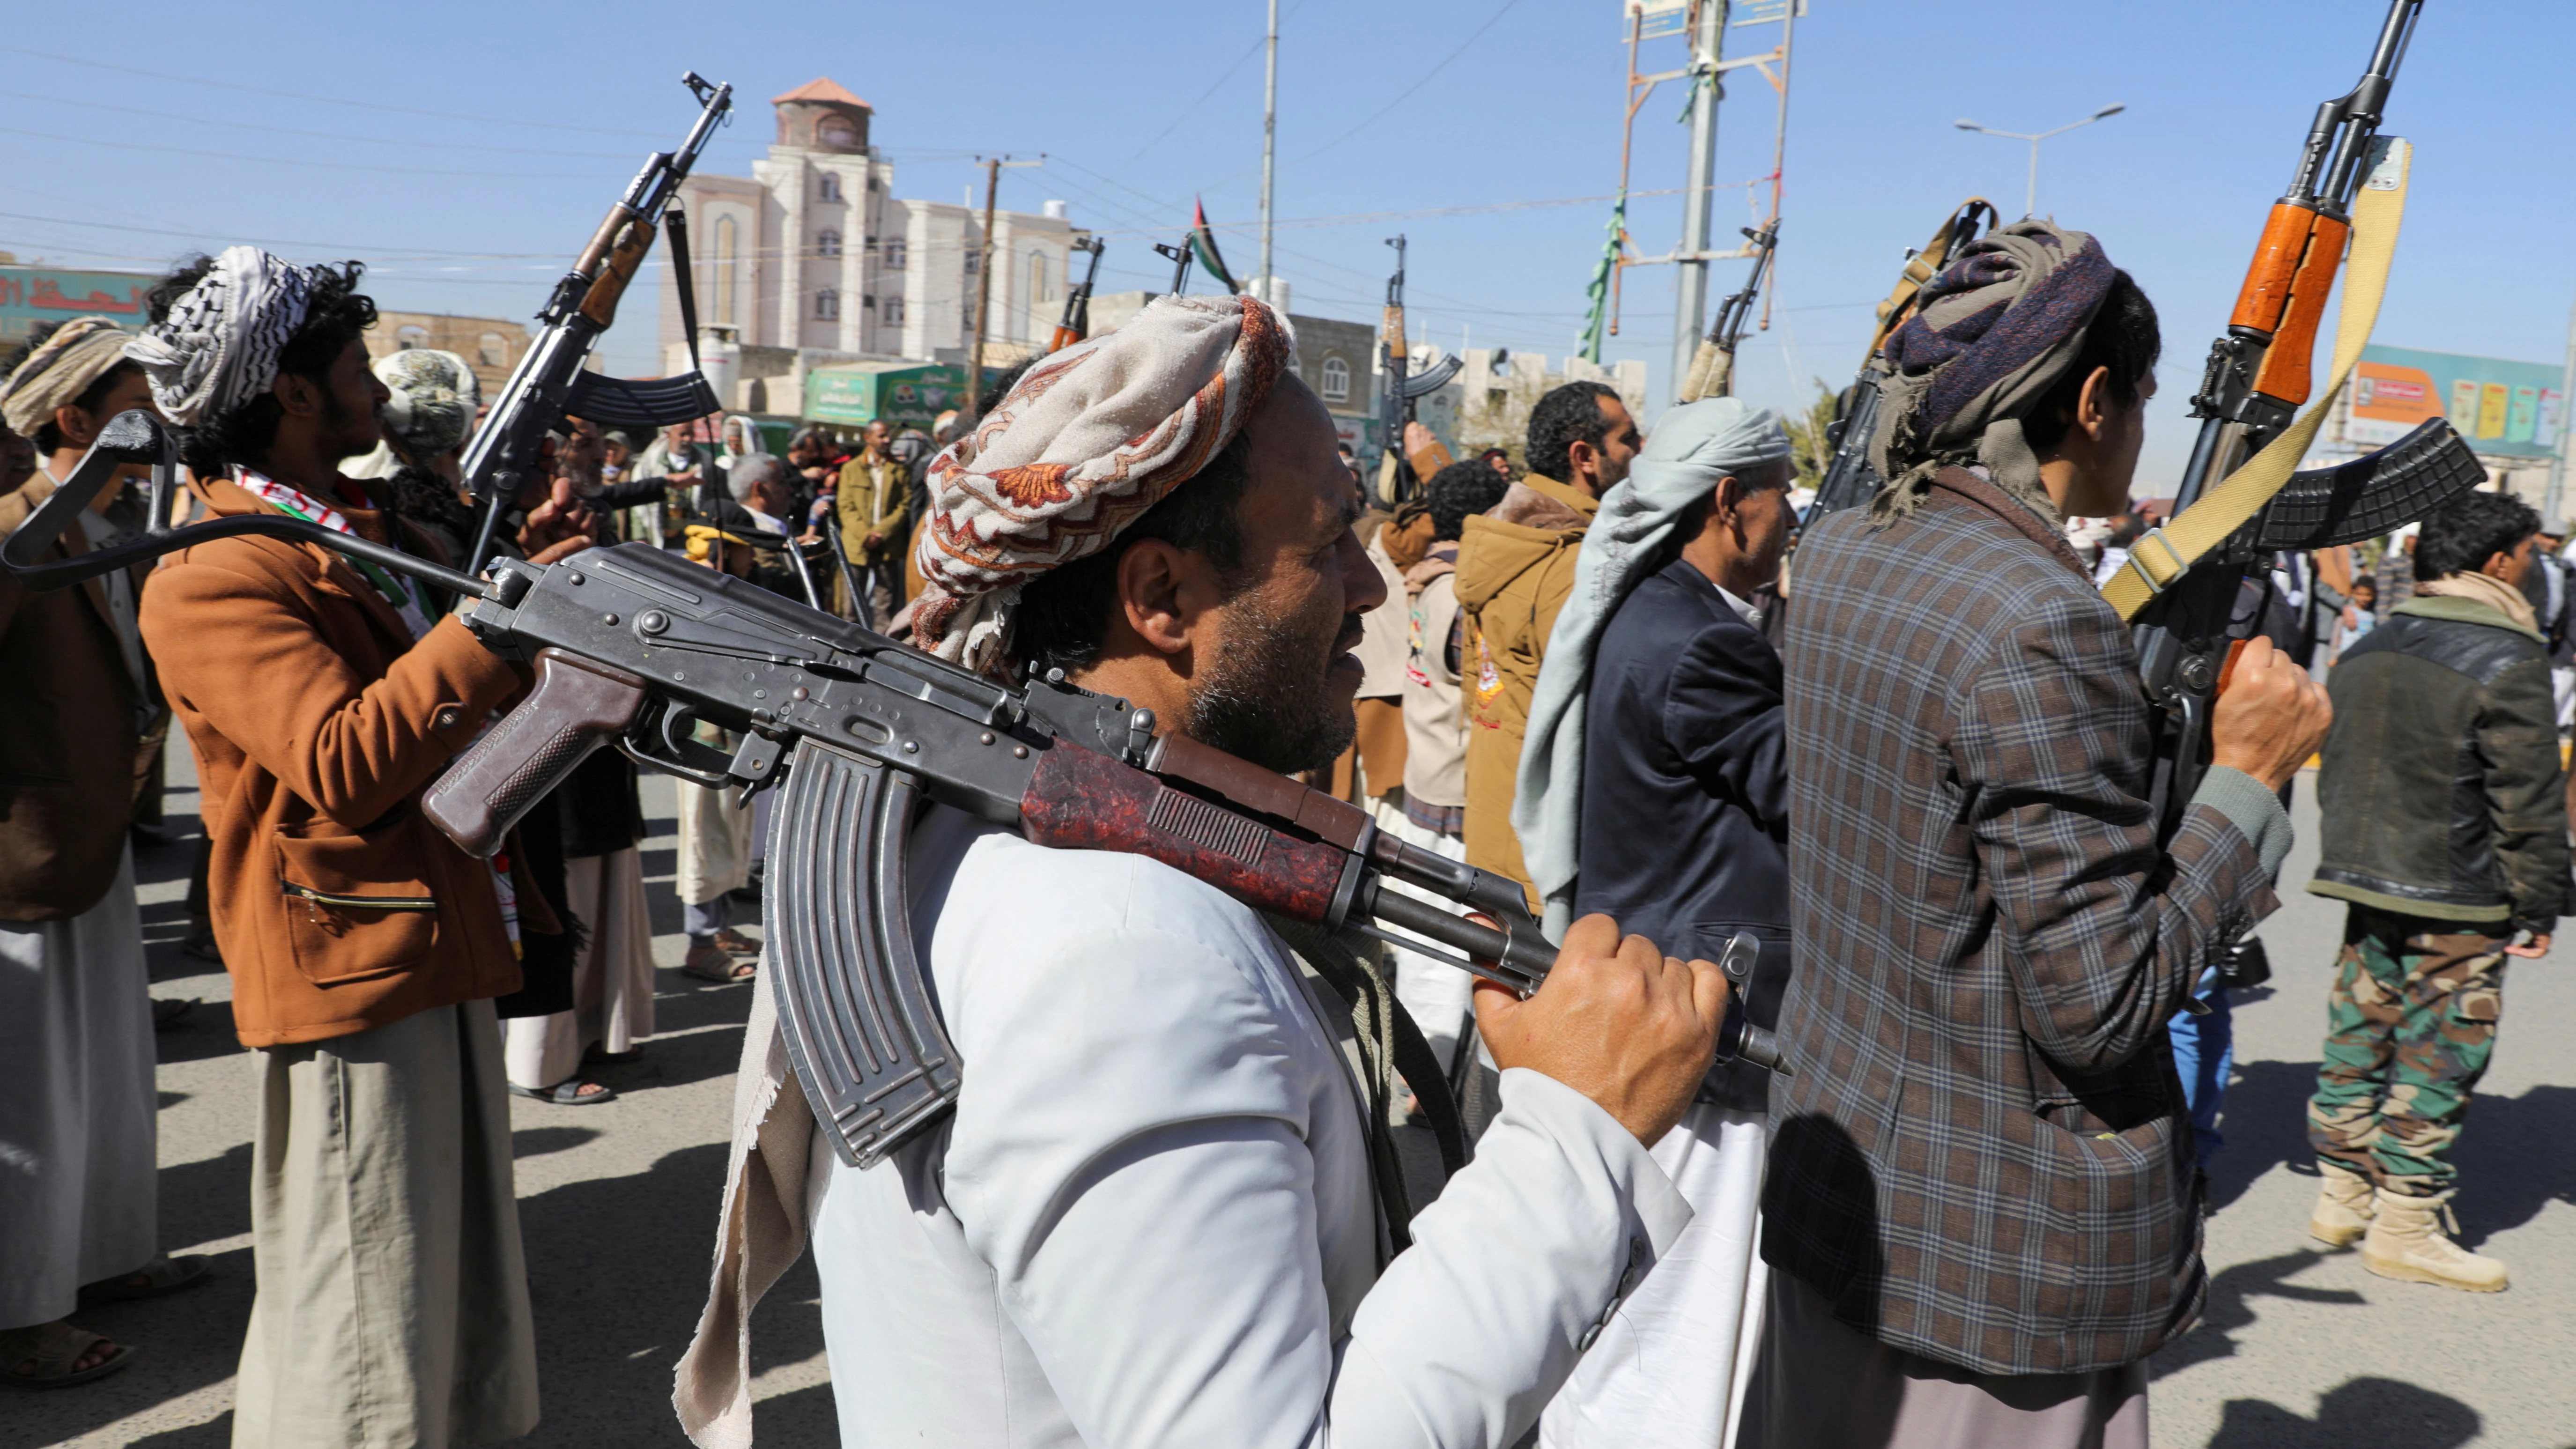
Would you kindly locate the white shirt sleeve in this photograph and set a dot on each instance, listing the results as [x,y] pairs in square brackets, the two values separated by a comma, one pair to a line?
[1157,1151]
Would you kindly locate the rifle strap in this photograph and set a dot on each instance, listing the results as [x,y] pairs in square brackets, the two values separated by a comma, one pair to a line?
[675,225]
[2166,554]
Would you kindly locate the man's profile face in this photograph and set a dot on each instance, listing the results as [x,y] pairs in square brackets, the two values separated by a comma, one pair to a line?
[1601,469]
[877,439]
[2517,565]
[1275,682]
[2106,483]
[1765,520]
[351,395]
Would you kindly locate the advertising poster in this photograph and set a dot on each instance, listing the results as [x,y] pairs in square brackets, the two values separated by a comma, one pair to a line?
[2505,409]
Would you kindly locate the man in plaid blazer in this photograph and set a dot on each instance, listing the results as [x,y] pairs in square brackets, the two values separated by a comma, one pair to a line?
[1980,1204]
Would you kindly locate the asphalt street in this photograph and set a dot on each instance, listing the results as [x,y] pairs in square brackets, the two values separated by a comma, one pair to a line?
[2300,1348]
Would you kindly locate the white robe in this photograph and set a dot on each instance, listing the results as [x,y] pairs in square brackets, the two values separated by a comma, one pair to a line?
[612,984]
[79,1198]
[1150,1221]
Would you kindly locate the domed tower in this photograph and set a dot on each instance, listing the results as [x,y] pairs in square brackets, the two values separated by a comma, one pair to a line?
[821,116]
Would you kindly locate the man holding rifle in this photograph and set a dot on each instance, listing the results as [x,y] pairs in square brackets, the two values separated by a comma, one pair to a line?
[1153,1218]
[321,698]
[1981,1206]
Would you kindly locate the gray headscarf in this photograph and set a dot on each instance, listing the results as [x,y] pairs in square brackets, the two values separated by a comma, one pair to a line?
[1994,332]
[435,395]
[219,346]
[1691,448]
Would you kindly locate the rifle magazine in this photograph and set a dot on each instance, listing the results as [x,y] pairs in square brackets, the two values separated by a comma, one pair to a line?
[853,1003]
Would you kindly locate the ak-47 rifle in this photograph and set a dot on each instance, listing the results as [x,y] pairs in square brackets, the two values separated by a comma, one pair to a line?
[550,382]
[1712,369]
[633,647]
[1396,404]
[1850,478]
[1076,325]
[2182,585]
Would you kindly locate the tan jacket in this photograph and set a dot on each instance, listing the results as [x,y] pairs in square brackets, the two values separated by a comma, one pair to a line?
[1435,709]
[1515,568]
[68,746]
[317,723]
[872,497]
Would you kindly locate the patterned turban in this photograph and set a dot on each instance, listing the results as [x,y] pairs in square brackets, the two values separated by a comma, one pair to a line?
[1089,439]
[219,346]
[434,398]
[1995,331]
[61,368]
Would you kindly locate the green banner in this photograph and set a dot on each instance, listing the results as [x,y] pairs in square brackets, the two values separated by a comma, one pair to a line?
[898,394]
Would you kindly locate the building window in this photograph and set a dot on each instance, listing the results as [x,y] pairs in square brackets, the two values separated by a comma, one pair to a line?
[827,305]
[493,349]
[974,260]
[831,187]
[892,313]
[1337,379]
[894,254]
[837,132]
[409,336]
[1039,291]
[827,243]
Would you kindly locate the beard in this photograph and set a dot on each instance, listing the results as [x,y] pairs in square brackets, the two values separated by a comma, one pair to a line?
[1267,697]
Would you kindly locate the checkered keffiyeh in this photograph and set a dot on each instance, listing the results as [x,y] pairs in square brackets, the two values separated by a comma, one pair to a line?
[1086,442]
[219,346]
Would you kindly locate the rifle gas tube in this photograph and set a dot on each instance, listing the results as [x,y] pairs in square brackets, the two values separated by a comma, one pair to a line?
[635,647]
[550,381]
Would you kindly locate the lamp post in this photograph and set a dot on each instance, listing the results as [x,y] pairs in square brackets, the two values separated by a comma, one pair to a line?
[2030,201]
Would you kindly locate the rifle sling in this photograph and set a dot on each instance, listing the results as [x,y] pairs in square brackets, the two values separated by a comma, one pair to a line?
[2167,553]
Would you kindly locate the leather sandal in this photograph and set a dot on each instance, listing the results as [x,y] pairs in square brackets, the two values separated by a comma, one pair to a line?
[164,1274]
[53,1348]
[566,1093]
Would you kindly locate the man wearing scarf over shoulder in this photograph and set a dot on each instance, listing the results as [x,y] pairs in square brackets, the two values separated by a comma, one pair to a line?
[1151,1220]
[1981,1216]
[322,696]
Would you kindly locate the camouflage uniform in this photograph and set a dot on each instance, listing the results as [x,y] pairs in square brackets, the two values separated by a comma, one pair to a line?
[2410,1025]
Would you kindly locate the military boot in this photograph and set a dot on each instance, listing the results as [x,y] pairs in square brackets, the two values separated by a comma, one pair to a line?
[2407,1242]
[2343,1209]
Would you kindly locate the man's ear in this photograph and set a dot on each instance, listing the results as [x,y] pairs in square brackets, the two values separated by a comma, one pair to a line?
[1151,574]
[79,430]
[2093,404]
[300,396]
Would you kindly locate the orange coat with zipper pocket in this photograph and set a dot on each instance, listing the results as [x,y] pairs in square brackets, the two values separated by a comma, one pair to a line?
[317,723]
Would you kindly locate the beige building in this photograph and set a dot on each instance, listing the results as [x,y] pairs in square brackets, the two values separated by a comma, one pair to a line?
[491,345]
[812,260]
[1488,404]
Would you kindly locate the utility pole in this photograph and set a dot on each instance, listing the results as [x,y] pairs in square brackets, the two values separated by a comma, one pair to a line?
[984,286]
[1269,149]
[1708,34]
[2566,417]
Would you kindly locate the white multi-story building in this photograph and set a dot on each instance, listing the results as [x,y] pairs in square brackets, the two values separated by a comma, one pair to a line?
[812,256]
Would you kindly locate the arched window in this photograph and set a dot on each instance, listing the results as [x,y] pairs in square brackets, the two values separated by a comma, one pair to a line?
[894,253]
[827,305]
[1337,379]
[827,243]
[493,350]
[831,187]
[409,336]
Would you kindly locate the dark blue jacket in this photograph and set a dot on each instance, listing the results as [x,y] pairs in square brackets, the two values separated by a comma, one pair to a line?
[1686,788]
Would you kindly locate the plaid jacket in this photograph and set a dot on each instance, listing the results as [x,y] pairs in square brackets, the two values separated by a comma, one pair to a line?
[1984,1157]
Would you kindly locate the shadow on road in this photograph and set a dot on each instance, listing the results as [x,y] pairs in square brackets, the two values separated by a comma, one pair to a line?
[2365,1413]
[2513,1160]
[2231,1308]
[2266,1123]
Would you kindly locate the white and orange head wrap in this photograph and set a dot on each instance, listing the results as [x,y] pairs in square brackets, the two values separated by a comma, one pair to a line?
[1089,439]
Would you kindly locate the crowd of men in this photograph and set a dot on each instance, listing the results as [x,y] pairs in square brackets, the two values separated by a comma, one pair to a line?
[1901,754]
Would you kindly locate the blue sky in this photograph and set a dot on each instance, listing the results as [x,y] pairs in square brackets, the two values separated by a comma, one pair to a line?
[543,111]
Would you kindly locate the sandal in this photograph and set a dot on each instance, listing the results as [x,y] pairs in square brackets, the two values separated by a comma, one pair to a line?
[566,1093]
[168,1013]
[164,1274]
[729,939]
[53,1348]
[714,963]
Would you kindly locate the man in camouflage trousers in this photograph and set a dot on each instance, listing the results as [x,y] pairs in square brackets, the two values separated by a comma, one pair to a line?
[2445,818]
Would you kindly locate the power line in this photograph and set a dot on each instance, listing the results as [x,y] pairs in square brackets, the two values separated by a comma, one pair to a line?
[441,145]
[296,161]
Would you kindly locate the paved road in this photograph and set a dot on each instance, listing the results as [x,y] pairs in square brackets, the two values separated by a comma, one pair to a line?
[2301,1349]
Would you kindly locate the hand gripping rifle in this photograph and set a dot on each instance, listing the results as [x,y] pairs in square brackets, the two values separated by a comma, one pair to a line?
[2181,585]
[1076,325]
[1850,478]
[634,648]
[1396,403]
[1712,369]
[550,382]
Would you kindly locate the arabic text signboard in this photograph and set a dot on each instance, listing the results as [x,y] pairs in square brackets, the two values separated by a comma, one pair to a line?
[30,295]
[2505,409]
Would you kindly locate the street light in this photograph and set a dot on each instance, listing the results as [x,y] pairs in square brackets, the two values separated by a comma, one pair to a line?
[2030,202]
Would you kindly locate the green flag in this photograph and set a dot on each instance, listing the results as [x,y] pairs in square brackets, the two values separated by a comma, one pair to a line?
[1596,322]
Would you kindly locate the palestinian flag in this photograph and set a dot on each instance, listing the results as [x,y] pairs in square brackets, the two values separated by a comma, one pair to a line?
[1203,241]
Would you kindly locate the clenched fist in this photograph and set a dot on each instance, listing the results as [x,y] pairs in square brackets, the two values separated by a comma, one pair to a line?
[2270,718]
[1617,1020]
